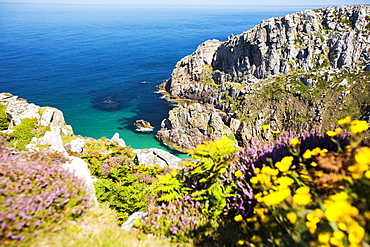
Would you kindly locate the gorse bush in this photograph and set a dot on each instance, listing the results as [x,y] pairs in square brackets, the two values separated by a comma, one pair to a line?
[310,189]
[36,192]
[313,195]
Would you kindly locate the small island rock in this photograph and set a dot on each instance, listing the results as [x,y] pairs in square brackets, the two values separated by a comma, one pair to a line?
[143,126]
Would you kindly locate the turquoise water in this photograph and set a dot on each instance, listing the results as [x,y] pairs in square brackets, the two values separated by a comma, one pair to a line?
[90,61]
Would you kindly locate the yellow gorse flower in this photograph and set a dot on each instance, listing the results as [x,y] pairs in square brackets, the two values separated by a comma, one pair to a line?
[313,219]
[276,197]
[294,142]
[334,133]
[240,242]
[331,133]
[318,151]
[256,239]
[302,196]
[284,164]
[238,174]
[363,156]
[222,170]
[356,234]
[338,209]
[292,217]
[358,126]
[238,218]
[265,127]
[344,121]
[284,181]
[324,237]
[268,170]
[362,164]
[307,154]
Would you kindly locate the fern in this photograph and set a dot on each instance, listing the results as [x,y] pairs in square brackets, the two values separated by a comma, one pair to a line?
[171,187]
[202,179]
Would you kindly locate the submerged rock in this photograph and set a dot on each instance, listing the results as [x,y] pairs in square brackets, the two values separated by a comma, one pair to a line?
[108,102]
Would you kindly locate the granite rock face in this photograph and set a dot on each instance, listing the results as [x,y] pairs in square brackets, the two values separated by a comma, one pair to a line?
[19,109]
[310,46]
[190,125]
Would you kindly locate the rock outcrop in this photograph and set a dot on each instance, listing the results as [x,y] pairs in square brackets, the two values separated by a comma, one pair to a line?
[129,223]
[19,109]
[288,72]
[189,125]
[79,167]
[155,156]
[52,118]
[116,139]
[143,126]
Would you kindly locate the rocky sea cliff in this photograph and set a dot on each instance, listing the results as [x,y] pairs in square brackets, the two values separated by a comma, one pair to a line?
[294,72]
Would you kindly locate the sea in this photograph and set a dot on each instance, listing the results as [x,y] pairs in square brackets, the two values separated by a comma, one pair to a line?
[101,64]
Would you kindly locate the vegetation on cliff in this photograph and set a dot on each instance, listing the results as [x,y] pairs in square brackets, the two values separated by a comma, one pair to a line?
[304,190]
[265,176]
[122,184]
[36,192]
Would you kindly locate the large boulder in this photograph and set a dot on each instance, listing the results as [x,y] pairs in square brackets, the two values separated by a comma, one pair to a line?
[54,118]
[128,224]
[156,156]
[77,145]
[117,140]
[79,167]
[188,126]
[20,110]
[52,139]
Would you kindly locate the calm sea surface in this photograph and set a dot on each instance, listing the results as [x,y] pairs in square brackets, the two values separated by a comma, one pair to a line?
[100,64]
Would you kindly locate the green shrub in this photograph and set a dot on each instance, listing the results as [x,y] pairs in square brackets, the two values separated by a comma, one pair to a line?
[126,187]
[4,118]
[23,133]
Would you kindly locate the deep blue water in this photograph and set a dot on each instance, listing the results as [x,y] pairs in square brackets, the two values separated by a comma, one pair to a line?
[90,61]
